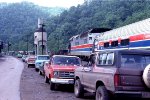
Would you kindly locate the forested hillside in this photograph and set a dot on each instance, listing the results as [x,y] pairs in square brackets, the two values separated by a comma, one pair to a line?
[20,19]
[96,14]
[99,13]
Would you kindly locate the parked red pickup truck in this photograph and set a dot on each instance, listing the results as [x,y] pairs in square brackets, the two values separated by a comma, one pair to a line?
[60,70]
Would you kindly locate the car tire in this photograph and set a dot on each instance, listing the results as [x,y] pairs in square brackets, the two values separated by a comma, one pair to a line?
[46,79]
[78,89]
[40,73]
[146,76]
[52,86]
[36,69]
[102,93]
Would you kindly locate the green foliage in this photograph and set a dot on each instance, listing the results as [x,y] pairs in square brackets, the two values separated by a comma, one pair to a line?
[18,20]
[98,13]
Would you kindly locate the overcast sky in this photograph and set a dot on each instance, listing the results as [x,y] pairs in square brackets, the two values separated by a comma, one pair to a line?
[50,3]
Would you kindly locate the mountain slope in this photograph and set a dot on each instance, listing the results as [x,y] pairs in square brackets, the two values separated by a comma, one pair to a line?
[95,14]
[21,18]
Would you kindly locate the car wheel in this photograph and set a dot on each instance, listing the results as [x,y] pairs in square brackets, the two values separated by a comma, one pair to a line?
[40,73]
[52,86]
[36,69]
[78,89]
[46,79]
[102,93]
[146,76]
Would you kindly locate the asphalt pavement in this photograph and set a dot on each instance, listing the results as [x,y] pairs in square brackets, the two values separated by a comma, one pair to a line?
[33,87]
[17,82]
[10,74]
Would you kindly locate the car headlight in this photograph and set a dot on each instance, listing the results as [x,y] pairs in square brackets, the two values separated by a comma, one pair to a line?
[56,74]
[38,64]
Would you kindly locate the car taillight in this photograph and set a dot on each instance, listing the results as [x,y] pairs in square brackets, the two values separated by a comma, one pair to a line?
[116,80]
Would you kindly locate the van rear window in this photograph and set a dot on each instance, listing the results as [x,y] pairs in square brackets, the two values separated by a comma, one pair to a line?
[135,60]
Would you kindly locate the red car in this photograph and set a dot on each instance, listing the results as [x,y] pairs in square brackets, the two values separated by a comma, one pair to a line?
[60,70]
[30,60]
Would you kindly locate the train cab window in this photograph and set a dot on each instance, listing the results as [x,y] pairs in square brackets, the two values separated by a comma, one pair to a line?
[77,37]
[106,44]
[114,43]
[76,43]
[90,38]
[125,42]
[85,41]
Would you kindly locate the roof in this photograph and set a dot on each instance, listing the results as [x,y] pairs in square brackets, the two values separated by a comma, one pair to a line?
[42,55]
[63,56]
[132,51]
[95,30]
[73,37]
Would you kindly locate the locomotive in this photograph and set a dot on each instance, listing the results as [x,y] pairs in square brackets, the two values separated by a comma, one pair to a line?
[132,36]
[82,44]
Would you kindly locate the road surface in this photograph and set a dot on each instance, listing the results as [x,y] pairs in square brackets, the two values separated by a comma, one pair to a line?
[33,87]
[17,82]
[10,74]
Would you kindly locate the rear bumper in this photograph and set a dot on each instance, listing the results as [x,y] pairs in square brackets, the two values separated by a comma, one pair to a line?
[62,81]
[30,63]
[36,66]
[132,94]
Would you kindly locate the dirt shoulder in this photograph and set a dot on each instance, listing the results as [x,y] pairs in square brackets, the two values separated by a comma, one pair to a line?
[33,87]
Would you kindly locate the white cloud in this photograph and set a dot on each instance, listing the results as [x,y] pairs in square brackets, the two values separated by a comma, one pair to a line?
[50,3]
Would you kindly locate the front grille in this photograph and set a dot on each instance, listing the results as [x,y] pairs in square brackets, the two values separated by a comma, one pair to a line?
[66,74]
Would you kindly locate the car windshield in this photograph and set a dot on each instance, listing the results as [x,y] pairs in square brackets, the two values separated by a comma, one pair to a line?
[43,57]
[25,56]
[135,60]
[67,60]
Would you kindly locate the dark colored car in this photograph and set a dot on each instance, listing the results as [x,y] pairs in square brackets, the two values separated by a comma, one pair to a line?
[118,73]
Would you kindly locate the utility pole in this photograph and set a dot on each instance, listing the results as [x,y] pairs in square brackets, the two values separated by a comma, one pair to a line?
[27,43]
[8,43]
[42,39]
[58,42]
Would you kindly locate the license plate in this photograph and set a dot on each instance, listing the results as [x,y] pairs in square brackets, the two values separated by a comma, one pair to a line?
[71,81]
[146,94]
